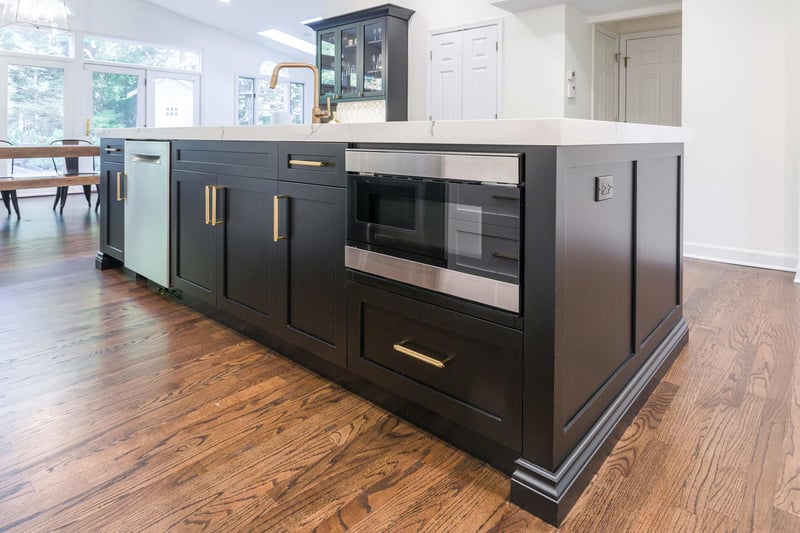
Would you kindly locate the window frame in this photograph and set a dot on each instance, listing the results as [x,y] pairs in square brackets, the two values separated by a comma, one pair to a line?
[254,100]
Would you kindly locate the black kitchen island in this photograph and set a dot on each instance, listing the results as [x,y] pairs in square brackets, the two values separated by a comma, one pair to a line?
[591,224]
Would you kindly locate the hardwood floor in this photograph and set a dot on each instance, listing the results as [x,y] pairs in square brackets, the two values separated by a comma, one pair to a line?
[122,410]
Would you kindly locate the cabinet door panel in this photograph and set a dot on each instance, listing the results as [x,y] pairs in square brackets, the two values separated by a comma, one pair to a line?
[350,65]
[193,241]
[246,252]
[657,244]
[595,286]
[313,306]
[113,215]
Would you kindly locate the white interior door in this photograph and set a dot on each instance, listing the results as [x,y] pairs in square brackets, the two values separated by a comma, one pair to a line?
[653,80]
[479,100]
[463,75]
[605,96]
[446,76]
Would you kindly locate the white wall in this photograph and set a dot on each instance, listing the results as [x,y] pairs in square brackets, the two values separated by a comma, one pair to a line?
[534,47]
[793,114]
[658,22]
[578,56]
[741,177]
[224,55]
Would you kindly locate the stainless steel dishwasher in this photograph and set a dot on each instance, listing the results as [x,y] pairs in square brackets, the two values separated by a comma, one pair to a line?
[146,195]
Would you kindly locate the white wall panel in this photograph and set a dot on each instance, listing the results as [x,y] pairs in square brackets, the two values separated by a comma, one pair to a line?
[741,180]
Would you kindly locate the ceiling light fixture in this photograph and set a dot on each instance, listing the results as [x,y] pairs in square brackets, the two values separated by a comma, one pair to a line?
[290,40]
[37,13]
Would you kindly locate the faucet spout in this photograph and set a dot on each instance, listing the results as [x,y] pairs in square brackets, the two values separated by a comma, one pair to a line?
[317,114]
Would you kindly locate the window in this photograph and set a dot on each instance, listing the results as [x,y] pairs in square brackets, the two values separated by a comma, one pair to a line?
[141,54]
[256,101]
[35,111]
[32,41]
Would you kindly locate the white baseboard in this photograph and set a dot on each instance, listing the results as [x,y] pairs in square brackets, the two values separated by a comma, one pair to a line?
[742,256]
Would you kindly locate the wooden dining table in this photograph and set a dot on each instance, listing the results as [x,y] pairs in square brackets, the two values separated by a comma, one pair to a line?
[12,183]
[29,152]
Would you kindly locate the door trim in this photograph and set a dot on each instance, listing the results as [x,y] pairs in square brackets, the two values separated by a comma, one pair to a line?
[608,33]
[498,22]
[623,45]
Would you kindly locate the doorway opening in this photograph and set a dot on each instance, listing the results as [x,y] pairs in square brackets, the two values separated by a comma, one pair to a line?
[637,70]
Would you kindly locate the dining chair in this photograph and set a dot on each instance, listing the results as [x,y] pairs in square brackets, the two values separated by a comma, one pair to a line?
[71,168]
[9,197]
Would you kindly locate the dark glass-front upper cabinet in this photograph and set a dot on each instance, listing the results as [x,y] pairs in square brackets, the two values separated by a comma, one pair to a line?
[326,62]
[364,56]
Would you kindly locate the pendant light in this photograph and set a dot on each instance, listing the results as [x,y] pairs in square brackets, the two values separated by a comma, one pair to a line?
[37,13]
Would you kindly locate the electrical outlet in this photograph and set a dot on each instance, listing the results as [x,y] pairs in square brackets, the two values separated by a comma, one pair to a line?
[603,188]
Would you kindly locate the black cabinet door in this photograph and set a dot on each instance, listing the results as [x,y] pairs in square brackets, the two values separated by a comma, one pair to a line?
[311,287]
[245,248]
[112,205]
[193,239]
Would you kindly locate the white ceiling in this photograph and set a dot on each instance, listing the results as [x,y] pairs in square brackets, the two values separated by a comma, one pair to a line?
[590,7]
[245,18]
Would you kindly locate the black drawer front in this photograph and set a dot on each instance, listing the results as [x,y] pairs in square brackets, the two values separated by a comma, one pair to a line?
[314,163]
[479,385]
[112,150]
[486,204]
[484,250]
[251,159]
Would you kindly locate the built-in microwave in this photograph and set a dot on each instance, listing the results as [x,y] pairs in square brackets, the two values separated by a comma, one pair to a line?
[444,221]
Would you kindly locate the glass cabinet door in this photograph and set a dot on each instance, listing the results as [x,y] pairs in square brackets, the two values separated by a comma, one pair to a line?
[373,59]
[327,64]
[349,61]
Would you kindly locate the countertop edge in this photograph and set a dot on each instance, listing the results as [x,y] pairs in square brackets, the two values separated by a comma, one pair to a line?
[545,132]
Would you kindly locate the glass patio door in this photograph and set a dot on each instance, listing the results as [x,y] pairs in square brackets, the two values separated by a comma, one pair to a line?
[118,98]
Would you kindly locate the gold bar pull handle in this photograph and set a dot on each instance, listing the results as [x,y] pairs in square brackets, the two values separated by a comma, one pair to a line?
[304,163]
[208,215]
[119,187]
[276,236]
[214,221]
[419,356]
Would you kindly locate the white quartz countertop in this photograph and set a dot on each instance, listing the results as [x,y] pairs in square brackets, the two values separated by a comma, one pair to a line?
[545,132]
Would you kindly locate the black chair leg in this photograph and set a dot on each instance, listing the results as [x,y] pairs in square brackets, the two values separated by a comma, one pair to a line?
[14,203]
[6,195]
[58,197]
[97,203]
[63,198]
[87,192]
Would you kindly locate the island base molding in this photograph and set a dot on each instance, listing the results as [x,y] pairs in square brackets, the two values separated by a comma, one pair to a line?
[103,261]
[551,495]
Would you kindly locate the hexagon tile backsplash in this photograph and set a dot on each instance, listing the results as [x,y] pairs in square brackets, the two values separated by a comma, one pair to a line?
[369,111]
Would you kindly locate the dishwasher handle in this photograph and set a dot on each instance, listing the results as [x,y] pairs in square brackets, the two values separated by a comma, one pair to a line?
[145,158]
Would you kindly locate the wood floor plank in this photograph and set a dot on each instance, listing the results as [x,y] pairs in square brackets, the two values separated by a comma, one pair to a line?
[123,410]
